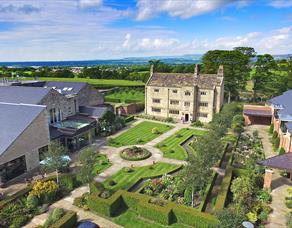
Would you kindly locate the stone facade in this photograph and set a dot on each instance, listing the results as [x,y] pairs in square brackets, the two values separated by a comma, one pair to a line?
[89,96]
[35,136]
[188,97]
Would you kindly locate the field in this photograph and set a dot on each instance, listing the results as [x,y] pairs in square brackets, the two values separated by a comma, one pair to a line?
[99,83]
[140,134]
[125,179]
[171,147]
[126,96]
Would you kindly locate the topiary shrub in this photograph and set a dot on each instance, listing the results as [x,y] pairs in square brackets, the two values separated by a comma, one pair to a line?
[69,220]
[67,183]
[18,221]
[155,131]
[281,151]
[139,140]
[54,216]
[112,183]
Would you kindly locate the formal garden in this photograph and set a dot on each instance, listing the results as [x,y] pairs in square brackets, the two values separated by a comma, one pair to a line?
[140,134]
[127,95]
[172,146]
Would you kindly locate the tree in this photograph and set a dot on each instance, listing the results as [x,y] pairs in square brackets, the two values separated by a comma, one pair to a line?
[263,76]
[289,72]
[54,158]
[88,158]
[236,68]
[248,51]
[229,218]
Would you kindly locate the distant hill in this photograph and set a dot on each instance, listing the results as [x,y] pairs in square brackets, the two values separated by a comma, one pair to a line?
[183,59]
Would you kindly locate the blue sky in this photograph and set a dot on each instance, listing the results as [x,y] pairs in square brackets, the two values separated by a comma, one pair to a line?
[107,29]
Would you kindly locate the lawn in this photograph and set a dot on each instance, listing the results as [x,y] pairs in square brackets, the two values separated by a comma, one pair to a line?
[171,147]
[126,96]
[130,219]
[101,164]
[140,134]
[101,83]
[127,177]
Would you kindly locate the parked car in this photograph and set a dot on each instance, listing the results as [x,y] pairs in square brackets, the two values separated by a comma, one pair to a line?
[87,224]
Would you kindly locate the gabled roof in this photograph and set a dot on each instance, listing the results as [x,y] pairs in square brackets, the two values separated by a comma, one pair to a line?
[14,119]
[23,94]
[283,161]
[95,112]
[284,103]
[207,81]
[66,88]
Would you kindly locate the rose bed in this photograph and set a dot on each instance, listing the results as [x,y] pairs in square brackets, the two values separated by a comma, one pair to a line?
[135,153]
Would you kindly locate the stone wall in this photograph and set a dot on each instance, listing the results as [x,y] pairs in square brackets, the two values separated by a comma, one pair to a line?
[90,96]
[35,136]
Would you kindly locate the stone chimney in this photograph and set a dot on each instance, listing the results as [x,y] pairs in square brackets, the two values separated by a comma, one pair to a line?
[151,69]
[197,71]
[220,72]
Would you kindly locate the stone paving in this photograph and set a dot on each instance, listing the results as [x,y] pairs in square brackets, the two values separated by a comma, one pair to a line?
[278,218]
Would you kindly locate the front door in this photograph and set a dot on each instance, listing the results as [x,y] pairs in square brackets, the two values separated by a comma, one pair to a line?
[187,117]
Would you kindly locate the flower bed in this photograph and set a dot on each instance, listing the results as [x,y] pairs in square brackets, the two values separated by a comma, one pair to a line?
[135,153]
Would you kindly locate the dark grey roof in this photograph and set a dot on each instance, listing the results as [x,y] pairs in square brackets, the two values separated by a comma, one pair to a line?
[254,112]
[95,112]
[14,119]
[22,94]
[284,102]
[283,161]
[289,126]
[66,87]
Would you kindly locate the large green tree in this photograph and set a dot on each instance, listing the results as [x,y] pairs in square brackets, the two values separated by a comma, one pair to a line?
[236,68]
[263,82]
[88,158]
[248,51]
[289,72]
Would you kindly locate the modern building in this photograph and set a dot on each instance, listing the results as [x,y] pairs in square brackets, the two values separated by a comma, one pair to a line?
[184,96]
[34,113]
[282,118]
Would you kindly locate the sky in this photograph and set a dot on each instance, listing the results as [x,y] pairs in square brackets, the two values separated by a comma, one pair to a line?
[40,30]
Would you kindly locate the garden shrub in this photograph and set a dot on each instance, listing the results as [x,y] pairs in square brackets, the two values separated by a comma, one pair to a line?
[288,202]
[69,220]
[32,202]
[169,119]
[139,140]
[197,123]
[67,182]
[96,187]
[129,119]
[277,143]
[271,129]
[112,183]
[208,192]
[188,196]
[105,194]
[18,221]
[281,151]
[54,216]
[265,196]
[15,196]
[44,190]
[155,130]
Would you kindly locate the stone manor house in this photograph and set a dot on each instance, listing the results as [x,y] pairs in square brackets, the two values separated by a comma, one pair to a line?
[34,113]
[184,96]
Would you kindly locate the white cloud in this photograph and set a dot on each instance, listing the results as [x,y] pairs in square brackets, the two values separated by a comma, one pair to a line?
[182,8]
[90,3]
[281,3]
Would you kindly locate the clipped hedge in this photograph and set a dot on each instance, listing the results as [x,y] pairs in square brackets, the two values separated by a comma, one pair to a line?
[129,119]
[15,196]
[69,220]
[167,214]
[161,214]
[96,187]
[224,188]
[128,101]
[108,207]
[193,217]
[113,100]
[208,192]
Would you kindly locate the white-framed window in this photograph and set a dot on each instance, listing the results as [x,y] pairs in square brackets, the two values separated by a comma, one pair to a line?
[187,93]
[174,102]
[156,109]
[156,90]
[203,93]
[172,111]
[187,103]
[203,104]
[154,100]
[202,114]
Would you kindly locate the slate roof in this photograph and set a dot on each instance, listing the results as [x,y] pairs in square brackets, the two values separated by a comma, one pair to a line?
[95,112]
[284,102]
[63,87]
[14,119]
[23,94]
[253,112]
[289,126]
[283,161]
[207,81]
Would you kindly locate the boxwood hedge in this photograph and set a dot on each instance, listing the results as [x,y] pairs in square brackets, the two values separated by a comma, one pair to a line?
[69,220]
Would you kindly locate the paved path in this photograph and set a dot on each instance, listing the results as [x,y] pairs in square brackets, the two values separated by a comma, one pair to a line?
[277,219]
[67,203]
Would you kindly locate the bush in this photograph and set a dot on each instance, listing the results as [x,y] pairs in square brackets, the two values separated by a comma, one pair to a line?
[112,183]
[271,129]
[67,182]
[139,140]
[197,123]
[265,196]
[155,130]
[281,151]
[96,187]
[288,203]
[32,202]
[129,119]
[19,221]
[277,142]
[128,170]
[44,190]
[169,119]
[54,216]
[69,220]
